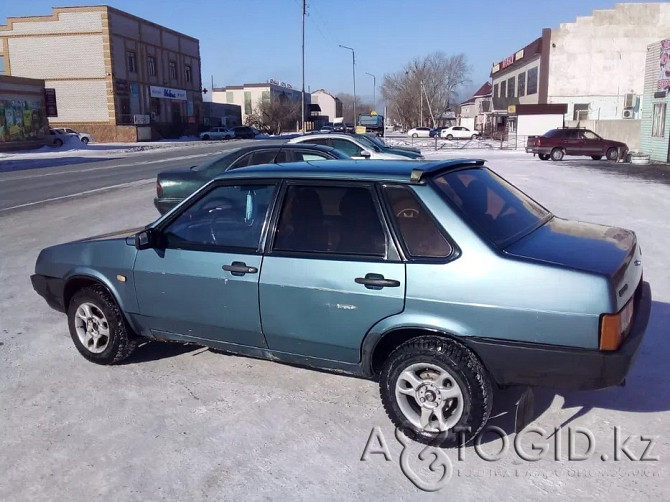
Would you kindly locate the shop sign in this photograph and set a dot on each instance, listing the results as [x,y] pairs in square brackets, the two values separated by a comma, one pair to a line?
[167,93]
[50,102]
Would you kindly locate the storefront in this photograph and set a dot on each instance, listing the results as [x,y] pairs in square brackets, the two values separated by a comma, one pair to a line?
[23,114]
[655,123]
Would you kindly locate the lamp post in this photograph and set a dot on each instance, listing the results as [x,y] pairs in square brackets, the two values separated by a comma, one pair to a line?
[374,90]
[353,67]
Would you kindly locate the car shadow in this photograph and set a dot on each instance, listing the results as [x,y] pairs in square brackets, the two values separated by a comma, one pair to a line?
[156,350]
[650,172]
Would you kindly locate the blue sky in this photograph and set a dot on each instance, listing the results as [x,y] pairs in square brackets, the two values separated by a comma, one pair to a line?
[243,41]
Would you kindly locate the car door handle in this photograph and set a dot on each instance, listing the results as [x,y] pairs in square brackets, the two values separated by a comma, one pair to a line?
[376,281]
[239,268]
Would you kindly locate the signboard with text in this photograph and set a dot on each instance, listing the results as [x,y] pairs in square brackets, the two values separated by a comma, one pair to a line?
[167,93]
[50,102]
[664,66]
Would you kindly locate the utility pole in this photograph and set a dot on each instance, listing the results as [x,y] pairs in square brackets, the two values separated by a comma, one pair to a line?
[304,8]
[374,90]
[353,66]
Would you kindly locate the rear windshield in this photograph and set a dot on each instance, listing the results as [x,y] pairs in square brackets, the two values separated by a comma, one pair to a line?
[553,133]
[499,210]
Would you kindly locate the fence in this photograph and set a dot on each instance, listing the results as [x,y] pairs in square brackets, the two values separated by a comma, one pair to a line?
[504,142]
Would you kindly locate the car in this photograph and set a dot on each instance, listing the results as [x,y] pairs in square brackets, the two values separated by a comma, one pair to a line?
[174,185]
[217,133]
[83,136]
[343,127]
[245,132]
[379,141]
[419,132]
[557,143]
[356,146]
[326,128]
[439,280]
[435,132]
[458,132]
[57,138]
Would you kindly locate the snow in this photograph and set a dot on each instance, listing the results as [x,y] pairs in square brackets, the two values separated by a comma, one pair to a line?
[183,423]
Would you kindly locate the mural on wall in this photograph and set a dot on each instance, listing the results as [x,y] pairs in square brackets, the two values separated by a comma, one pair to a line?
[664,66]
[21,120]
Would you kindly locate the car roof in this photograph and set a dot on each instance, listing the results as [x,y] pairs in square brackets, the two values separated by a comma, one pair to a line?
[404,171]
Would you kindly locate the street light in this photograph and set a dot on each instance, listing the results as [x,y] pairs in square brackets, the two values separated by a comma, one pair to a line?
[374,90]
[353,67]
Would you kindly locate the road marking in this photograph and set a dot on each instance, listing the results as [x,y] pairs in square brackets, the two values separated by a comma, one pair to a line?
[79,194]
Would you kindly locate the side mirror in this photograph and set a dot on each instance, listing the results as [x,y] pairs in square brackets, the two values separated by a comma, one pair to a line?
[365,154]
[146,239]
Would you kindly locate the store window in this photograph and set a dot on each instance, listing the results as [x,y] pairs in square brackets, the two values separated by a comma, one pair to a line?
[658,120]
[532,81]
[132,62]
[510,87]
[151,66]
[521,84]
[503,89]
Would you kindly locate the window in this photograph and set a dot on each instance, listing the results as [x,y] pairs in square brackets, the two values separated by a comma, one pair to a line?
[155,106]
[173,70]
[658,120]
[590,135]
[247,102]
[2,65]
[521,85]
[347,147]
[531,87]
[188,73]
[265,96]
[226,217]
[151,66]
[318,141]
[132,66]
[495,91]
[510,87]
[580,111]
[229,97]
[503,89]
[334,220]
[305,157]
[418,230]
[499,210]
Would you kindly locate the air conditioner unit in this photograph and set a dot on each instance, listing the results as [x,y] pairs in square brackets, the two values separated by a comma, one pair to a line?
[628,113]
[629,100]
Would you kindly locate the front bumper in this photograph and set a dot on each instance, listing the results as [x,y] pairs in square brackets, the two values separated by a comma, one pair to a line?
[52,289]
[516,363]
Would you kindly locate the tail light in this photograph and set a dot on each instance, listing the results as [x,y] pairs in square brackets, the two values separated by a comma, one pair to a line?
[615,327]
[159,189]
[538,142]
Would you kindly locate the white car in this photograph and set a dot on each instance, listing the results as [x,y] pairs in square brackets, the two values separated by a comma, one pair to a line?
[419,132]
[84,137]
[458,132]
[217,133]
[355,146]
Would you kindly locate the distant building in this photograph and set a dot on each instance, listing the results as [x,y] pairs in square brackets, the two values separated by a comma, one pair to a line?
[221,114]
[655,112]
[475,110]
[331,106]
[23,117]
[111,71]
[248,96]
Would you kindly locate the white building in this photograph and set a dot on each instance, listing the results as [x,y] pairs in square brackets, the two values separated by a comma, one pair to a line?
[475,110]
[655,112]
[331,106]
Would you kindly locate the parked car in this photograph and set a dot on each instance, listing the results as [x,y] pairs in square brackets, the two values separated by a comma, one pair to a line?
[217,133]
[379,141]
[458,132]
[326,128]
[57,138]
[356,146]
[557,143]
[245,132]
[419,132]
[343,127]
[438,279]
[174,185]
[83,136]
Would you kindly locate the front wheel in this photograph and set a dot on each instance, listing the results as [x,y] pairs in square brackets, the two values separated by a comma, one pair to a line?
[58,142]
[557,154]
[205,137]
[450,137]
[612,154]
[596,157]
[84,140]
[544,156]
[97,327]
[415,135]
[436,391]
[474,136]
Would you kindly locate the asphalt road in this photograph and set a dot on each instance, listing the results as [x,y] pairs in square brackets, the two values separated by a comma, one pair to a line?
[70,176]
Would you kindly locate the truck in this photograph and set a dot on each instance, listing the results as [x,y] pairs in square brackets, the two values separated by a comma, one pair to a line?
[372,122]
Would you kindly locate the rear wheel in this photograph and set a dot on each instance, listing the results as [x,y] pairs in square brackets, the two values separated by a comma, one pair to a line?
[84,140]
[415,135]
[596,157]
[474,136]
[612,154]
[58,142]
[557,154]
[436,391]
[543,156]
[450,136]
[206,137]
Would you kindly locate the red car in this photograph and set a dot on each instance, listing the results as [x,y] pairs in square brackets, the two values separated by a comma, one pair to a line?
[557,143]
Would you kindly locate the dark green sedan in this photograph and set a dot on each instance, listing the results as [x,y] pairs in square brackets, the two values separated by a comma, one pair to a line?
[175,185]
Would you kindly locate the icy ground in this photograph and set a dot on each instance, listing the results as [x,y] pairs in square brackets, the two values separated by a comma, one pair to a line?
[185,423]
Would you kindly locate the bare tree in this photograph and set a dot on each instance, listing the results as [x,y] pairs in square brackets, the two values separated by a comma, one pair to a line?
[425,88]
[348,107]
[275,115]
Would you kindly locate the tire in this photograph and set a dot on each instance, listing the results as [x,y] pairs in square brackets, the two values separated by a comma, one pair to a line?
[543,156]
[450,137]
[97,327]
[415,135]
[612,154]
[84,140]
[474,136]
[58,142]
[596,157]
[443,358]
[557,154]
[205,137]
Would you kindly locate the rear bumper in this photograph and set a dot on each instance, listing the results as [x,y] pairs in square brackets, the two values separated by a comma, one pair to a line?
[164,205]
[51,289]
[538,150]
[514,363]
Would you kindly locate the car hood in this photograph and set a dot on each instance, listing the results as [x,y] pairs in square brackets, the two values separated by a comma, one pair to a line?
[119,234]
[581,246]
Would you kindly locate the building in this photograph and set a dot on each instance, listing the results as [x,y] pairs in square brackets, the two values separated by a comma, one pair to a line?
[221,114]
[655,119]
[111,71]
[474,111]
[23,114]
[330,106]
[249,96]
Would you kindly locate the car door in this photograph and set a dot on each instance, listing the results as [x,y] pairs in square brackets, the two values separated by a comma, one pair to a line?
[593,144]
[332,272]
[202,282]
[573,142]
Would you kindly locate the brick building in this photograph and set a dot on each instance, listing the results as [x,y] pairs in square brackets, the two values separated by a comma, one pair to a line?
[116,76]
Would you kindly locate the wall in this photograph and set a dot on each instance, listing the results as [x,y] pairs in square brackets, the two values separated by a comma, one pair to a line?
[658,148]
[599,58]
[327,104]
[534,125]
[627,131]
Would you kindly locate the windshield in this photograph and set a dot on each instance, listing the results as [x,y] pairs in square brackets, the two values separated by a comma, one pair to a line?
[368,142]
[499,210]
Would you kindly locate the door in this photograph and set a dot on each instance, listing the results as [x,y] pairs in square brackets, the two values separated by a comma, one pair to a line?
[332,272]
[574,144]
[203,282]
[592,144]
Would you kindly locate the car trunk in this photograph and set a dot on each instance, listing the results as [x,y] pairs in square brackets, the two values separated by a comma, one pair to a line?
[607,251]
